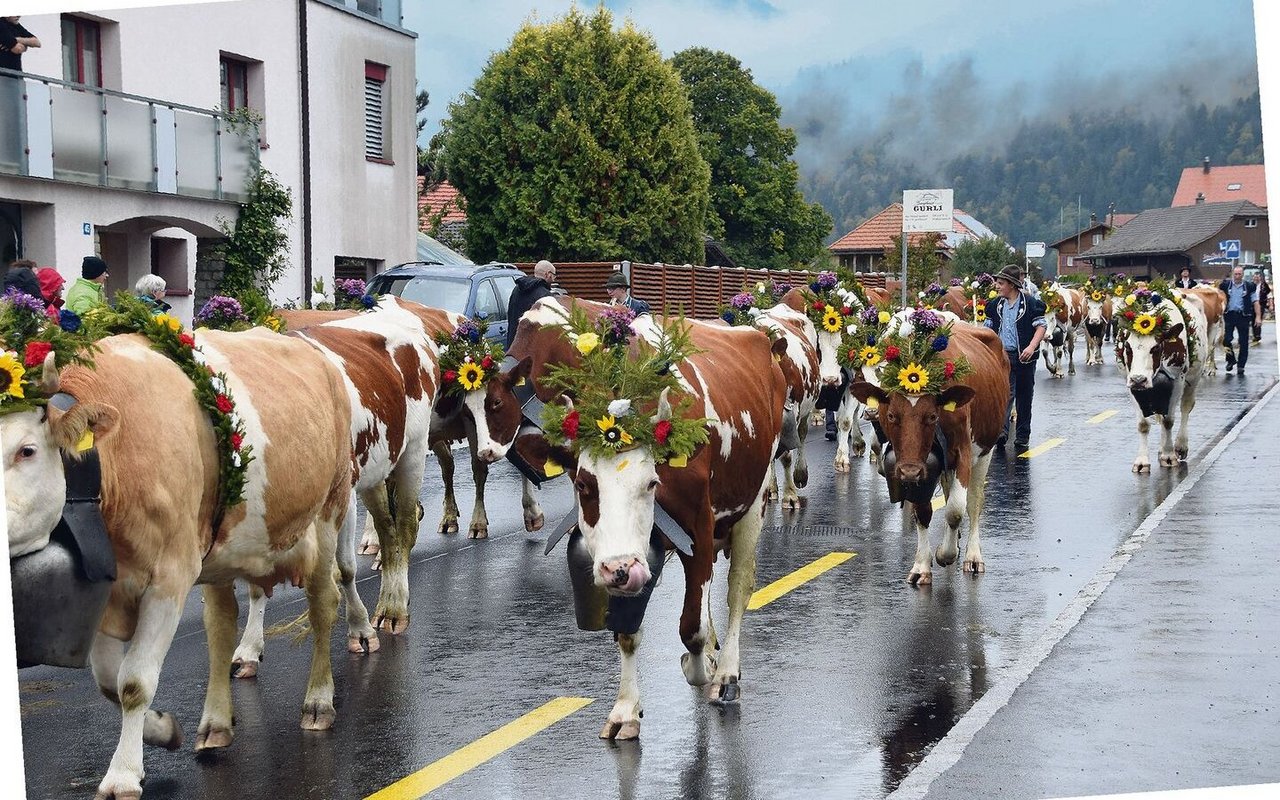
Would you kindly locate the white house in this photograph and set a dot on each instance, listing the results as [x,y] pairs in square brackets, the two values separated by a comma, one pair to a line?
[111,141]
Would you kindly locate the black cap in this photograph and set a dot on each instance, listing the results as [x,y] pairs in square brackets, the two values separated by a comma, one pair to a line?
[92,267]
[617,281]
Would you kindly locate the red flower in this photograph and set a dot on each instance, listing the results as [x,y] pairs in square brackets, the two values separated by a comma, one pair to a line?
[224,404]
[187,340]
[892,352]
[846,311]
[853,354]
[36,351]
[487,362]
[819,306]
[569,427]
[662,430]
[450,376]
[236,441]
[949,370]
[1129,315]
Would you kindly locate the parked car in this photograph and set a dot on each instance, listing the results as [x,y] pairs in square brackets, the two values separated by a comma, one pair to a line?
[479,292]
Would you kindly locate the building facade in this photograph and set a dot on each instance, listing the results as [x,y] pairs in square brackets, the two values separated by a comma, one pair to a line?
[1068,250]
[121,146]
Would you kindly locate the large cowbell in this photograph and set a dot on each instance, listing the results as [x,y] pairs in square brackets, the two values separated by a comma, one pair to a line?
[830,395]
[921,492]
[1156,399]
[61,591]
[594,607]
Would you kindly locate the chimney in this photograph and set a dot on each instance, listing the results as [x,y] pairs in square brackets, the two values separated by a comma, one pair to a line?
[1093,218]
[1199,198]
[1206,165]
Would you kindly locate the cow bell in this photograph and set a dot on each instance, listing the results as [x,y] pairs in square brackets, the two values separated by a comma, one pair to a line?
[56,608]
[1156,399]
[790,439]
[593,606]
[1059,336]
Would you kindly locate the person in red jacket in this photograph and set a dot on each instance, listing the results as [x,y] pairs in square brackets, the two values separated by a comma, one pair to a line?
[51,283]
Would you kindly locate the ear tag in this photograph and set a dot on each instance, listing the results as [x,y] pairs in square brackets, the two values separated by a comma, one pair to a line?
[552,469]
[625,463]
[86,441]
[777,358]
[520,382]
[873,402]
[678,461]
[950,405]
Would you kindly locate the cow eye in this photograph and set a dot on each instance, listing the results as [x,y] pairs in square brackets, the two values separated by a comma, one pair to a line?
[892,417]
[653,484]
[27,451]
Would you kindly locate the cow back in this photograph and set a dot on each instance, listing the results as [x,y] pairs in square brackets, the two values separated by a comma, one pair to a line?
[983,419]
[297,319]
[1213,302]
[957,303]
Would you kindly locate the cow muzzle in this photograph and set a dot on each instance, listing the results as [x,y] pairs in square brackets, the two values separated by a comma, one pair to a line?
[623,576]
[596,608]
[913,481]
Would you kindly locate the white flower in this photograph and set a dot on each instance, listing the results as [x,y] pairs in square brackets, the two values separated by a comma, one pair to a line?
[619,408]
[754,312]
[920,295]
[217,384]
[466,359]
[760,286]
[235,460]
[234,419]
[198,355]
[973,285]
[852,329]
[317,298]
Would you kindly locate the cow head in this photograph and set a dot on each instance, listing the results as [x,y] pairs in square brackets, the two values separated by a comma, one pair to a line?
[1141,356]
[495,411]
[32,443]
[910,422]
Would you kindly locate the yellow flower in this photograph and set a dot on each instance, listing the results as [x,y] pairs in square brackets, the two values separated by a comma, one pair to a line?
[1119,291]
[980,314]
[832,322]
[913,378]
[1144,324]
[870,356]
[613,435]
[274,323]
[991,295]
[470,376]
[884,317]
[588,342]
[11,372]
[1130,299]
[172,323]
[1097,296]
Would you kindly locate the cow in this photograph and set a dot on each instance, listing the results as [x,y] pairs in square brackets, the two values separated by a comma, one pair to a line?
[159,502]
[957,302]
[1061,323]
[718,498]
[1096,322]
[800,368]
[1214,303]
[1158,370]
[970,431]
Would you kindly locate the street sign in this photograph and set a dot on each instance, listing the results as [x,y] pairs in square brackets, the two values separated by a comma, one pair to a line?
[1035,249]
[1230,248]
[927,210]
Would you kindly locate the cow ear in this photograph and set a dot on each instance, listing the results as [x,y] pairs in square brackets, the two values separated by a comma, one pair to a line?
[542,455]
[779,346]
[1172,332]
[83,426]
[868,393]
[520,371]
[955,397]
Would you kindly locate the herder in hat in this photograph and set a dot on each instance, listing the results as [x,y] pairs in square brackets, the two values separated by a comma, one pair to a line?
[620,294]
[1018,318]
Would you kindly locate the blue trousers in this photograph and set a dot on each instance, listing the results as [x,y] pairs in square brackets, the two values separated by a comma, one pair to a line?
[1022,385]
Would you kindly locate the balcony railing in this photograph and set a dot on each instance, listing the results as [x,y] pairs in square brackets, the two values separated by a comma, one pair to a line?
[83,134]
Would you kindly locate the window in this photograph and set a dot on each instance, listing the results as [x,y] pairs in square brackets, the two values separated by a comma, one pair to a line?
[371,7]
[1233,187]
[486,302]
[235,83]
[1097,238]
[1071,261]
[375,80]
[81,50]
[1251,222]
[505,286]
[348,267]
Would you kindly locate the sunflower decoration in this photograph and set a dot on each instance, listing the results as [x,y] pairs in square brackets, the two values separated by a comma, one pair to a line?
[1050,297]
[915,364]
[980,289]
[862,344]
[831,305]
[618,387]
[28,334]
[1146,311]
[467,357]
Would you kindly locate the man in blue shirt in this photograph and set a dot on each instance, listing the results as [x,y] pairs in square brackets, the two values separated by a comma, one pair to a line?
[1019,319]
[1242,309]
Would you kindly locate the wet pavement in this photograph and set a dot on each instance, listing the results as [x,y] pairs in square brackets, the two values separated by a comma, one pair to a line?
[848,681]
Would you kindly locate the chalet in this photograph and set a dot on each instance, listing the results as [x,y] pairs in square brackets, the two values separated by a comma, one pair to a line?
[1209,184]
[863,248]
[1068,249]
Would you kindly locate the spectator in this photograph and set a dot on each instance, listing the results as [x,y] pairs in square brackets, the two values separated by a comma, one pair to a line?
[1184,279]
[22,277]
[620,294]
[14,41]
[1019,320]
[51,283]
[150,290]
[87,292]
[529,290]
[1262,290]
[1242,309]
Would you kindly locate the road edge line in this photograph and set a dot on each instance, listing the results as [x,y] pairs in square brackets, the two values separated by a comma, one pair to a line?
[947,752]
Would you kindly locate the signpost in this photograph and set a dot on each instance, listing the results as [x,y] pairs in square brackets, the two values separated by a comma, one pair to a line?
[924,211]
[1034,250]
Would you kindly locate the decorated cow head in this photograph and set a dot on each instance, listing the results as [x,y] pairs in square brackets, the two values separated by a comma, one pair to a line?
[471,370]
[832,308]
[1156,335]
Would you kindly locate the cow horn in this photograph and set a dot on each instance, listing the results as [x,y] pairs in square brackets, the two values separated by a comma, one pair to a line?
[664,406]
[49,381]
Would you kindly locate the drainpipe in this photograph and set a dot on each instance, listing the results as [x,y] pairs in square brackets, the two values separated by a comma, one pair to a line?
[304,100]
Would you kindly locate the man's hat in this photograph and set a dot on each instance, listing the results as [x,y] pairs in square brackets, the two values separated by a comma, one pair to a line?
[1010,273]
[617,281]
[92,267]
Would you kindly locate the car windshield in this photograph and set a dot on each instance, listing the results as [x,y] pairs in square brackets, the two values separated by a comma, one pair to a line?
[450,294]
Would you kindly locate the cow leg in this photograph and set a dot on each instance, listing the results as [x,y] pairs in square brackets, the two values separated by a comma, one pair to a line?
[392,613]
[859,446]
[624,719]
[977,491]
[1071,354]
[1181,447]
[361,637]
[220,614]
[159,729]
[696,631]
[322,610]
[378,507]
[922,570]
[800,468]
[533,519]
[158,615]
[369,538]
[1143,461]
[742,582]
[771,493]
[949,549]
[846,426]
[449,523]
[248,655]
[790,498]
[479,528]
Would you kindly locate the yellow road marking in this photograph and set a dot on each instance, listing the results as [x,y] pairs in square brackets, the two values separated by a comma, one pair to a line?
[939,502]
[778,588]
[1042,449]
[1103,417]
[465,759]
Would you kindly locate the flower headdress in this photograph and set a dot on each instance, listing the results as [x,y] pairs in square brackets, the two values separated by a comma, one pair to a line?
[1050,297]
[225,313]
[980,289]
[1143,312]
[863,346]
[913,364]
[829,304]
[27,336]
[618,386]
[467,358]
[932,295]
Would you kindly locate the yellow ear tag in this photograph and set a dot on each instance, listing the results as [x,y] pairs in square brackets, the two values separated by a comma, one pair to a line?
[552,469]
[950,405]
[777,358]
[86,441]
[520,382]
[873,402]
[678,461]
[623,465]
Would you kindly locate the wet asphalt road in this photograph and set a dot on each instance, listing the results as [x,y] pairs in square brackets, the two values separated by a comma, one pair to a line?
[847,681]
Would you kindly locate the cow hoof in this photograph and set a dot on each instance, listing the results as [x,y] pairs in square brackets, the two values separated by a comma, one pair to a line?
[213,738]
[1140,467]
[244,668]
[697,669]
[1181,452]
[791,503]
[317,716]
[376,564]
[920,578]
[363,644]
[944,557]
[859,449]
[119,787]
[448,526]
[974,565]
[771,496]
[1168,460]
[1071,372]
[478,532]
[873,457]
[395,625]
[621,731]
[725,693]
[841,464]
[369,548]
[534,523]
[162,730]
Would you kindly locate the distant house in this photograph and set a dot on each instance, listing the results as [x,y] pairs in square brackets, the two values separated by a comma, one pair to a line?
[1208,184]
[440,212]
[863,248]
[1068,249]
[1161,241]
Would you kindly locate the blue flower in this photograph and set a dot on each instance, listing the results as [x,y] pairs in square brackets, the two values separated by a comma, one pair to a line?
[69,321]
[727,317]
[814,286]
[940,343]
[368,301]
[871,340]
[1156,299]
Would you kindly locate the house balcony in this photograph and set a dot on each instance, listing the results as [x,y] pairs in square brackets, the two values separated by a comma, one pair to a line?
[81,134]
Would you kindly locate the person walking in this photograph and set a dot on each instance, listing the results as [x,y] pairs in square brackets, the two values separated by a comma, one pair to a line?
[150,289]
[529,290]
[1262,290]
[1242,309]
[620,294]
[87,292]
[1019,320]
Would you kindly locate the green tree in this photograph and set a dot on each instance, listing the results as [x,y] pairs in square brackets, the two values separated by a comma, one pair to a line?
[425,162]
[577,143]
[924,265]
[763,218]
[987,254]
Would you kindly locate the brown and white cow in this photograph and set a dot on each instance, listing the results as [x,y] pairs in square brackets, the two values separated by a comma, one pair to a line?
[1097,319]
[1159,374]
[800,368]
[970,430]
[718,498]
[1061,325]
[1214,304]
[851,410]
[160,472]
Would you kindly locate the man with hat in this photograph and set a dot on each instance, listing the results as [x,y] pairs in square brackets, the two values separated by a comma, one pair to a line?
[1018,318]
[620,294]
[87,292]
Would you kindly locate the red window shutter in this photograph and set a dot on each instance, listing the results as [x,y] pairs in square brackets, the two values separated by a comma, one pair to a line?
[376,71]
